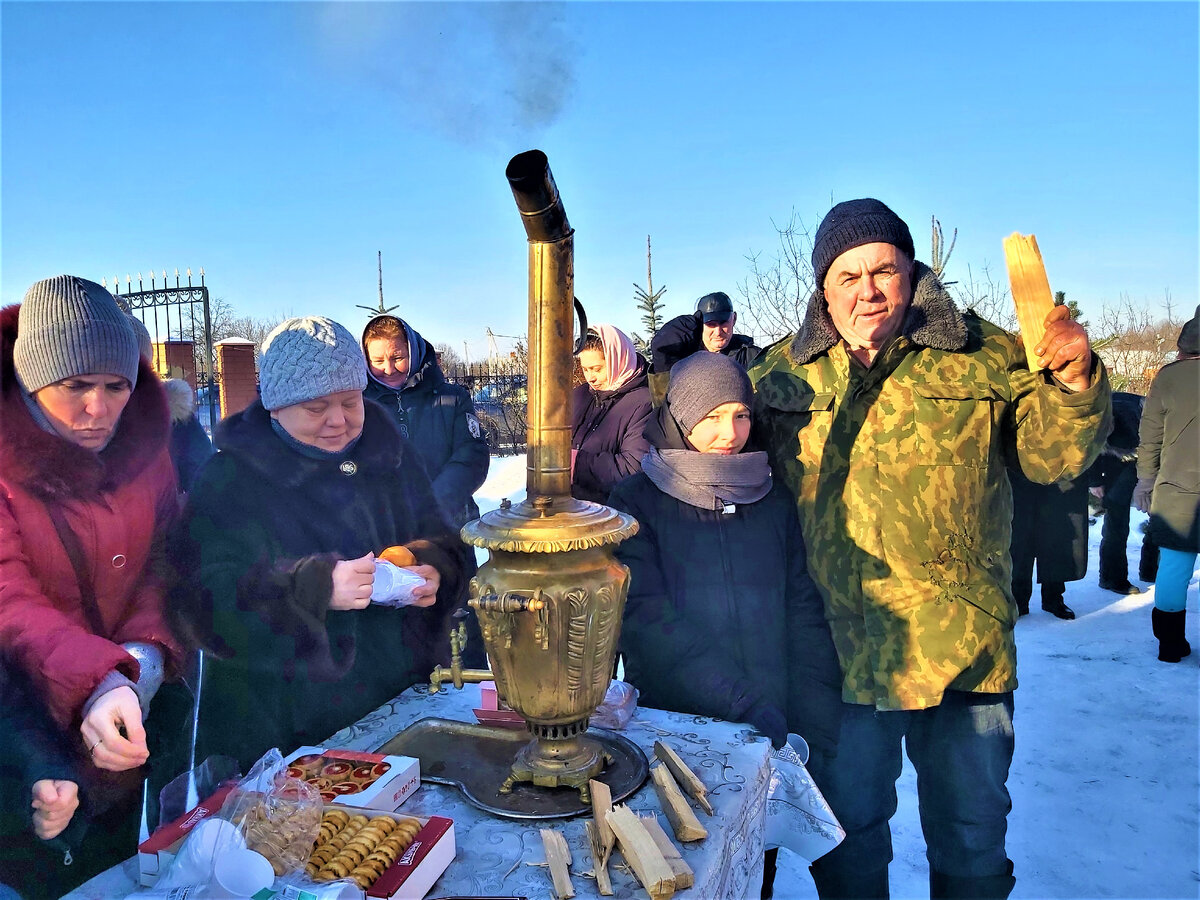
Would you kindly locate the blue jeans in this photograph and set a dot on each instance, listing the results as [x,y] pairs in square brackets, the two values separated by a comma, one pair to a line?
[1175,569]
[961,751]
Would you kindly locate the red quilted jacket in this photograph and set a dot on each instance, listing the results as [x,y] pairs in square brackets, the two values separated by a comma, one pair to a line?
[119,502]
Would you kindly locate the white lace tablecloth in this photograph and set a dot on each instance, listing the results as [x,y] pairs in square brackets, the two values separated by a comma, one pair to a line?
[493,853]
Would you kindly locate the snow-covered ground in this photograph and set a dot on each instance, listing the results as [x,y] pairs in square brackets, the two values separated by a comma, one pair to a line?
[1106,779]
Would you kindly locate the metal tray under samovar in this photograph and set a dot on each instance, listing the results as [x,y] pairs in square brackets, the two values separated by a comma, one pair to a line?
[477,759]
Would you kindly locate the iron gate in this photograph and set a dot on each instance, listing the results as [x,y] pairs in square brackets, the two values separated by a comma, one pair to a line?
[178,313]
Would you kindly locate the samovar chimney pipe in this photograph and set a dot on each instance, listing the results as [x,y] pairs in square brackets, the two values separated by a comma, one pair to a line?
[551,292]
[551,594]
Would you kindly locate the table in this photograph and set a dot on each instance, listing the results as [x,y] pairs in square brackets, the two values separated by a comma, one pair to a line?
[493,853]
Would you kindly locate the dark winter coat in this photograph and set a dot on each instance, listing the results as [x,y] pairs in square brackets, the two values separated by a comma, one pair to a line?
[607,435]
[1169,453]
[682,336]
[438,418]
[1120,450]
[120,503]
[262,530]
[190,444]
[722,618]
[31,749]
[1049,527]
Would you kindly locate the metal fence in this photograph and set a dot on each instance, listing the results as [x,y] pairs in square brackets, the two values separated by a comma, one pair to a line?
[178,312]
[500,396]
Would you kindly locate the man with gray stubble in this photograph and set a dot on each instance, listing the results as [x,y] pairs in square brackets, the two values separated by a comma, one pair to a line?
[893,418]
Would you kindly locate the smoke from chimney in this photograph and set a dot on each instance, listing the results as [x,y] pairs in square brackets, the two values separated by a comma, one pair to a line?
[489,74]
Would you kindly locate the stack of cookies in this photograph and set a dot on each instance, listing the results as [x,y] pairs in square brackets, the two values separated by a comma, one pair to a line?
[355,847]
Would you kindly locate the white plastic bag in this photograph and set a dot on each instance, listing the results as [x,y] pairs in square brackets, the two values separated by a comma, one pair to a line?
[798,817]
[393,585]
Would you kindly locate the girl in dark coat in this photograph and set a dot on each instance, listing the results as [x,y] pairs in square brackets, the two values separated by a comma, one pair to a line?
[276,555]
[610,413]
[722,617]
[437,417]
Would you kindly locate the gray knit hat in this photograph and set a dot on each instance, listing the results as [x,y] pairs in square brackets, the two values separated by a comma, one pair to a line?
[70,326]
[702,382]
[145,344]
[851,224]
[309,357]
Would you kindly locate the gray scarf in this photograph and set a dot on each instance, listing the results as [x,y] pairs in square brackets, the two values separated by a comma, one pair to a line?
[709,480]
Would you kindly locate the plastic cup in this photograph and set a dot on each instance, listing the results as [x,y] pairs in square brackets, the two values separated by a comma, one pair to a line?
[194,862]
[242,873]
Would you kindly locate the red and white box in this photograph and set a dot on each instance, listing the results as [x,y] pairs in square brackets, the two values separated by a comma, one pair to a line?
[157,852]
[354,778]
[410,877]
[429,855]
[492,712]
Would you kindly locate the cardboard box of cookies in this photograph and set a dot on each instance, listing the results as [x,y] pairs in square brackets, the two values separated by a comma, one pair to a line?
[386,854]
[354,778]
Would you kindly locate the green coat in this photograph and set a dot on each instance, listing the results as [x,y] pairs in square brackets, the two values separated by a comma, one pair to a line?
[899,473]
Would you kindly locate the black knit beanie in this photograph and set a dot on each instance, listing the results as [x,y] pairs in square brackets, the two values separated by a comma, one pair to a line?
[852,224]
[702,382]
[1189,336]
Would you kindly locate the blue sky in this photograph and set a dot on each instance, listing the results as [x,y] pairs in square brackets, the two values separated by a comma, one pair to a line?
[280,145]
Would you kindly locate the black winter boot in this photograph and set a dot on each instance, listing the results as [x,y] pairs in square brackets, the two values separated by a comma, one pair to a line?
[1052,600]
[1168,628]
[958,887]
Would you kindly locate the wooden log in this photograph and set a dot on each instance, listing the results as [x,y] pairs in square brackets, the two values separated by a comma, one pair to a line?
[642,854]
[687,779]
[599,858]
[684,876]
[558,858]
[674,804]
[1030,291]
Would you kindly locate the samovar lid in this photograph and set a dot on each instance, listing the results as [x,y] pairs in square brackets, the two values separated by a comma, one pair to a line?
[549,525]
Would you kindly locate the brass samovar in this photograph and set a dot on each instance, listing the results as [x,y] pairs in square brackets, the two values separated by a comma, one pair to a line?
[551,595]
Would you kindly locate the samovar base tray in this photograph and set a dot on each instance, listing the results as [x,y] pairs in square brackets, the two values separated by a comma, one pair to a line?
[477,759]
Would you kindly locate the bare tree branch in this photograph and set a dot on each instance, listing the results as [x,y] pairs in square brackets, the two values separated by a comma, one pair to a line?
[777,290]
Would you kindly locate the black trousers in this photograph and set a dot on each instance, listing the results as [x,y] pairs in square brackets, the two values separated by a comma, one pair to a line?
[1114,560]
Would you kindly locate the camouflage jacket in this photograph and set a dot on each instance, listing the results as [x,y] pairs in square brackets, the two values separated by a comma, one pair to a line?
[899,473]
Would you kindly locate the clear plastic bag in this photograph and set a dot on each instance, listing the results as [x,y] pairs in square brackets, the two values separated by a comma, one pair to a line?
[393,585]
[620,703]
[279,816]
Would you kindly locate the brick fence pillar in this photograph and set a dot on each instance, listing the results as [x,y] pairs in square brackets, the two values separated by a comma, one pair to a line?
[236,374]
[176,359]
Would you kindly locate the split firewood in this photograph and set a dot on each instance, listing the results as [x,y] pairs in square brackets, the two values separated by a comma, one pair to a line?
[601,807]
[687,779]
[684,876]
[1030,291]
[642,853]
[558,857]
[599,858]
[674,804]
[603,845]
